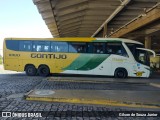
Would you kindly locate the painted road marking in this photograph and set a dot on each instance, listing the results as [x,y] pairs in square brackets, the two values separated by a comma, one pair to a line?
[93,102]
[155,85]
[82,81]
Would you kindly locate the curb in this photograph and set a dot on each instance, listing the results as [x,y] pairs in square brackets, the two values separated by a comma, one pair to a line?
[93,102]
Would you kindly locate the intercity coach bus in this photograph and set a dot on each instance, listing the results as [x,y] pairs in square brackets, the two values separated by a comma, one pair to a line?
[88,56]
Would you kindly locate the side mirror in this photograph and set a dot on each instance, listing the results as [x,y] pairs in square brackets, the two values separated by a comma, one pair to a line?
[154,54]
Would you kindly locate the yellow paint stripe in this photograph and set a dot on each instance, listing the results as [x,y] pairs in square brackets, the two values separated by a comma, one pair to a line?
[77,81]
[80,39]
[94,102]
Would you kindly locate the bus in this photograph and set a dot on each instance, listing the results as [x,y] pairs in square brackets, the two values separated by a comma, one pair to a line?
[116,57]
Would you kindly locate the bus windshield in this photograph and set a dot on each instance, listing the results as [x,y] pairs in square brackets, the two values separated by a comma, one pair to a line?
[140,56]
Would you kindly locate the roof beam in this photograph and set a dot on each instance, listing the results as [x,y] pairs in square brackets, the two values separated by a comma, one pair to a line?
[83,26]
[99,12]
[39,1]
[69,3]
[71,10]
[153,30]
[79,18]
[68,29]
[47,14]
[70,16]
[70,25]
[69,22]
[149,31]
[132,13]
[71,32]
[146,0]
[45,8]
[123,4]
[139,22]
[118,22]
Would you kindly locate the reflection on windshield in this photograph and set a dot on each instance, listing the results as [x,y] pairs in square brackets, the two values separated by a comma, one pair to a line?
[142,57]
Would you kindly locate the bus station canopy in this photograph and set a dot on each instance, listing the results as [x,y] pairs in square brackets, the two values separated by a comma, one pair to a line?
[133,19]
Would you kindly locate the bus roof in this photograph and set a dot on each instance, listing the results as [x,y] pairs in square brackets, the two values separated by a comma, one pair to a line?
[80,39]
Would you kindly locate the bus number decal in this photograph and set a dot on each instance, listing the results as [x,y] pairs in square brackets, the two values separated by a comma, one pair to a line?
[14,55]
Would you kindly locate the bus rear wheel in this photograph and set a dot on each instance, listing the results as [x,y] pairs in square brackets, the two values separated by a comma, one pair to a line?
[120,73]
[43,71]
[31,70]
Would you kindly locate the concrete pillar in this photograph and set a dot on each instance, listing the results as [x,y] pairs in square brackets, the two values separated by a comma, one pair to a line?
[148,42]
[105,30]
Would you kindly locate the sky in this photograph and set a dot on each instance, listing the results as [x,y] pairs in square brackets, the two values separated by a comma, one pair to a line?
[20,18]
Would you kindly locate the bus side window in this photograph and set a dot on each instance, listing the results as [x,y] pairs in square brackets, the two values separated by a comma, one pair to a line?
[115,48]
[41,46]
[89,47]
[59,47]
[98,48]
[12,44]
[77,47]
[53,49]
[46,47]
[25,46]
[36,46]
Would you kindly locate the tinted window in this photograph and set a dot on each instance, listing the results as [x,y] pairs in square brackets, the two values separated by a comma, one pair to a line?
[25,46]
[77,47]
[59,46]
[142,57]
[41,46]
[12,44]
[116,48]
[133,47]
[89,47]
[99,48]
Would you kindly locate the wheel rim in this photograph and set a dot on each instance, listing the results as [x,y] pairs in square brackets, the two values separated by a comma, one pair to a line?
[44,71]
[120,74]
[30,70]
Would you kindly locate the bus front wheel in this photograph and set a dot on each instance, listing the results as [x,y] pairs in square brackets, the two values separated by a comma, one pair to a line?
[120,73]
[43,71]
[31,70]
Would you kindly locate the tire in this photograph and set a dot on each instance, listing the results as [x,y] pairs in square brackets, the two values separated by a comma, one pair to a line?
[43,71]
[31,70]
[120,73]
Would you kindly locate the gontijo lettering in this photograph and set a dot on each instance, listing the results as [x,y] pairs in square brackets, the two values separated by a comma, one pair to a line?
[50,56]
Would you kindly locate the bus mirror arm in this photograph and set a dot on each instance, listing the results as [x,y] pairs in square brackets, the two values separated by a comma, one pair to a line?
[154,54]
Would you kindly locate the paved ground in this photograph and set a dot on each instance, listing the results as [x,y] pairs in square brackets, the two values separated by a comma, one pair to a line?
[13,86]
